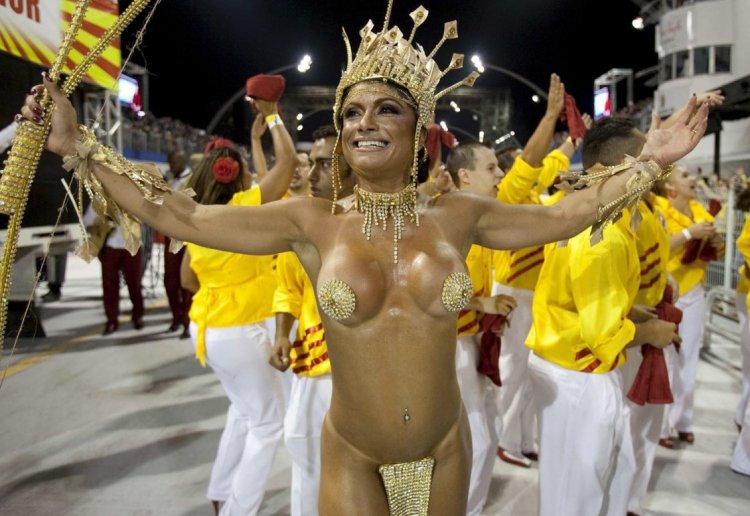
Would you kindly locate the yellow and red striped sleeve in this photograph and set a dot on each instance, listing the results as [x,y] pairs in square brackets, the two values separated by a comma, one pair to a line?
[554,163]
[295,295]
[652,244]
[479,264]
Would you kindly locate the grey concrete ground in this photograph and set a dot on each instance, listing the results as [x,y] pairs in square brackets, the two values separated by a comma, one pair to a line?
[128,424]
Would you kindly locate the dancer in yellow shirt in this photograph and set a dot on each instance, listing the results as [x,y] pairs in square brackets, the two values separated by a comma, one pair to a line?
[581,328]
[529,171]
[694,242]
[232,324]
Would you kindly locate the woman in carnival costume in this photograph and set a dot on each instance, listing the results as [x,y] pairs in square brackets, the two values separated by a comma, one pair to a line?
[389,273]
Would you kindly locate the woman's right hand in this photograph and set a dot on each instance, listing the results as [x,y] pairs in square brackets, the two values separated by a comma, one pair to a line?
[701,230]
[64,130]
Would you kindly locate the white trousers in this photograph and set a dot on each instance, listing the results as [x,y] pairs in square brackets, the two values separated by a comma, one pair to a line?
[582,425]
[741,456]
[741,303]
[309,401]
[645,428]
[515,412]
[239,357]
[683,366]
[478,396]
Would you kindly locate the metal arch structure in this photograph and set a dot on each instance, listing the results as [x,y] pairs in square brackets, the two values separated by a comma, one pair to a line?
[103,107]
[491,105]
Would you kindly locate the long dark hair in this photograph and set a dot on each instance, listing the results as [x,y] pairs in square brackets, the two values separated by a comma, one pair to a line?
[207,189]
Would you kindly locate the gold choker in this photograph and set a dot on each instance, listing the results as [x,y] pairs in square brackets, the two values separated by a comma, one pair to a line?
[379,207]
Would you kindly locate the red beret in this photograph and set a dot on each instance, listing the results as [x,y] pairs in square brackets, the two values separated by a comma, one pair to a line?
[266,87]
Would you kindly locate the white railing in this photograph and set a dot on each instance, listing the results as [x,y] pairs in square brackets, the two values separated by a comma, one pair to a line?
[721,281]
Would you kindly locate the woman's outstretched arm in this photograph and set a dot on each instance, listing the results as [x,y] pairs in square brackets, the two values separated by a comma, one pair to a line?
[501,226]
[251,230]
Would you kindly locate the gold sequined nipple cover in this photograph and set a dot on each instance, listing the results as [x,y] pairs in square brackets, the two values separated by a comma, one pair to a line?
[337,299]
[457,291]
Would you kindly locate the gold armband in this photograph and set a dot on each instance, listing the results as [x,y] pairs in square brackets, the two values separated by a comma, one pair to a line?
[647,173]
[146,178]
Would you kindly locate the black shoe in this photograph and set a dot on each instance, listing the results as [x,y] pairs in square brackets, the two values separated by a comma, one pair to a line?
[185,333]
[138,324]
[173,327]
[109,328]
[51,296]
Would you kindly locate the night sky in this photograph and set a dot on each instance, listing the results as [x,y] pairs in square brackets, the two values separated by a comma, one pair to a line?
[199,52]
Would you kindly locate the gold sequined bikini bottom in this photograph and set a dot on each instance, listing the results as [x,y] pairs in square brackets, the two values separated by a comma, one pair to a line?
[407,485]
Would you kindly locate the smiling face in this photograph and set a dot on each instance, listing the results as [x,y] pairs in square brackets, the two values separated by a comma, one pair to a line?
[377,135]
[682,183]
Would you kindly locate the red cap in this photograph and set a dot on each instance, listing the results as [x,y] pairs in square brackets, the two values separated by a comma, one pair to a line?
[266,87]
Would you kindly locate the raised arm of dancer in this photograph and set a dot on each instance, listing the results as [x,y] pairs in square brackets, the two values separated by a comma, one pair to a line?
[256,147]
[537,146]
[275,183]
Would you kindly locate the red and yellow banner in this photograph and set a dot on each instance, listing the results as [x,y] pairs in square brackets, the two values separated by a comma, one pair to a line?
[33,29]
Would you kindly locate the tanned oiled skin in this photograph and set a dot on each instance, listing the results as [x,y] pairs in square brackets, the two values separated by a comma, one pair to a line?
[396,352]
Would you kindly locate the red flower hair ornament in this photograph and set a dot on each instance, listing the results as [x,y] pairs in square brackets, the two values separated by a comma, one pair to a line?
[225,169]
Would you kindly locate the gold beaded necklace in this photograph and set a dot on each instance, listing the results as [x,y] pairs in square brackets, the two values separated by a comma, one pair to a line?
[379,207]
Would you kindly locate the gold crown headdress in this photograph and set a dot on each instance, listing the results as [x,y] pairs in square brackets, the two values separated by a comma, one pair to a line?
[389,57]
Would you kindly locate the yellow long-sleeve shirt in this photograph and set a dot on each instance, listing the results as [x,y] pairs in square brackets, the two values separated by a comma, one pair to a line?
[295,295]
[686,275]
[479,264]
[554,163]
[743,246]
[235,289]
[522,185]
[583,298]
[652,245]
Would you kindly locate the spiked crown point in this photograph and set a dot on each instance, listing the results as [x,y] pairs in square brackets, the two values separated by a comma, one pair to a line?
[390,57]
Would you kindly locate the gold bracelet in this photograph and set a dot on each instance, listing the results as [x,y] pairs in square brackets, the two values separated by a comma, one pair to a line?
[146,178]
[646,174]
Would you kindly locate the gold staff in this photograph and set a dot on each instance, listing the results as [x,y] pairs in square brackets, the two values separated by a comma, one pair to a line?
[23,159]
